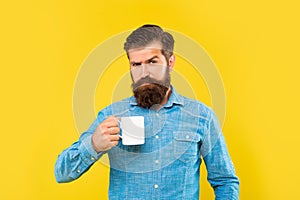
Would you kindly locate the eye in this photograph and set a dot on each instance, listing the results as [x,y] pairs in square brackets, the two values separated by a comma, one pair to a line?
[135,64]
[152,61]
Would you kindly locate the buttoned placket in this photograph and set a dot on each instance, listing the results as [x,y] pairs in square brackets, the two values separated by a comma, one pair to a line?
[156,120]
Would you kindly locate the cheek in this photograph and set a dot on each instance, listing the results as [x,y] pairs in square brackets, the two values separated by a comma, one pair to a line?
[159,73]
[135,75]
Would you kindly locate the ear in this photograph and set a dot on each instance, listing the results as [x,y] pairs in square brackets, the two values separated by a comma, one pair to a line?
[172,62]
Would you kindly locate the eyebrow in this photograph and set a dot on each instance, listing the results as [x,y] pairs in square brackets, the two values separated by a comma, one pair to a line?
[131,63]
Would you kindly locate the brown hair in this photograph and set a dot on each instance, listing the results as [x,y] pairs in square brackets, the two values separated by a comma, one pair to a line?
[147,34]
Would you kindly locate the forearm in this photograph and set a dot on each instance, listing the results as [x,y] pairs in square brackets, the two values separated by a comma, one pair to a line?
[76,160]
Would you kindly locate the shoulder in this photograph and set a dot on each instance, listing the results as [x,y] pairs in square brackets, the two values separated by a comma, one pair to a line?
[197,108]
[116,108]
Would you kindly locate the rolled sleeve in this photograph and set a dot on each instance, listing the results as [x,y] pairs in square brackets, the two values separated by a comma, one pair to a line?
[88,153]
[79,157]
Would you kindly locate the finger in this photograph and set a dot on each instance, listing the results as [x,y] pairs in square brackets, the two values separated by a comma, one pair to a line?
[110,131]
[114,138]
[114,143]
[113,130]
[107,124]
[116,119]
[110,124]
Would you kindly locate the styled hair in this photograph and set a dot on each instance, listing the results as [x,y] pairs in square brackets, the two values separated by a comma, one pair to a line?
[148,34]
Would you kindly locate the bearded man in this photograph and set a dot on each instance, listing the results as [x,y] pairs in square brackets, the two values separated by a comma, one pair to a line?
[178,134]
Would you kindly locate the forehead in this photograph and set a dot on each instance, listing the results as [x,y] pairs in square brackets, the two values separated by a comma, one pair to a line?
[144,53]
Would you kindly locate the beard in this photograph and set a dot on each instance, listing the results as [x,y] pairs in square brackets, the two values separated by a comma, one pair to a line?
[149,92]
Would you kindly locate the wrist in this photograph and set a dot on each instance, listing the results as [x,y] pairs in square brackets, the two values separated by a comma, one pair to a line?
[97,149]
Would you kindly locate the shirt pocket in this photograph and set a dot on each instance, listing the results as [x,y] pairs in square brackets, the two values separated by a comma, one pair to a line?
[186,145]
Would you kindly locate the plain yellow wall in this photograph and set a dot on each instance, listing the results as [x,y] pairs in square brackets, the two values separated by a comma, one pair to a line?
[254,44]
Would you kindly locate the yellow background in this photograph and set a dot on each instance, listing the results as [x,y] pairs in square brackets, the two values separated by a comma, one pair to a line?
[255,45]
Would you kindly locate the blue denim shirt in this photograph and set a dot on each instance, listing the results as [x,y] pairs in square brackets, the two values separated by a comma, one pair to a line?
[177,138]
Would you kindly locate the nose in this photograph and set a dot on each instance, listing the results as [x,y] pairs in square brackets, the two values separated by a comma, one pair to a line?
[145,71]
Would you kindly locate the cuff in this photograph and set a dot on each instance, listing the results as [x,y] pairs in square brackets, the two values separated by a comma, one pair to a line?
[88,152]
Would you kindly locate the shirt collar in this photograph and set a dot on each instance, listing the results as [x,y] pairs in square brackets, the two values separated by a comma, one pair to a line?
[174,98]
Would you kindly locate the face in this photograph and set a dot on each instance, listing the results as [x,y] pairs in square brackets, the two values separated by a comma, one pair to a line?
[150,73]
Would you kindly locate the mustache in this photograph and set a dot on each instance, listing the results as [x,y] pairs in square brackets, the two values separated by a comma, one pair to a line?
[149,80]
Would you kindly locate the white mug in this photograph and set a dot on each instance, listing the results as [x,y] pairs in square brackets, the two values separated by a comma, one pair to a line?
[132,130]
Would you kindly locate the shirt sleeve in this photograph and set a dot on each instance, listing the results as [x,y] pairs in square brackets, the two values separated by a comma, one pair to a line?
[220,169]
[79,157]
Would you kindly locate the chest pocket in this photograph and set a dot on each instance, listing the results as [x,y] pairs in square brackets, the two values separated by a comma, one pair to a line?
[186,146]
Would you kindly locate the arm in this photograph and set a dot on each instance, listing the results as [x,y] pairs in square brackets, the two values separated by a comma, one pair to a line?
[221,172]
[78,158]
[92,144]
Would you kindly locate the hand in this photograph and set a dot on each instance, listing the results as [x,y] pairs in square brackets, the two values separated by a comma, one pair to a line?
[106,134]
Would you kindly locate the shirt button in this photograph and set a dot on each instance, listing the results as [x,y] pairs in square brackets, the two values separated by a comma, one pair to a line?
[156,161]
[155,186]
[92,158]
[157,114]
[156,137]
[78,171]
[187,137]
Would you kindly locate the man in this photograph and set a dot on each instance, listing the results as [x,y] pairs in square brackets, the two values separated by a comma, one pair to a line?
[179,133]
